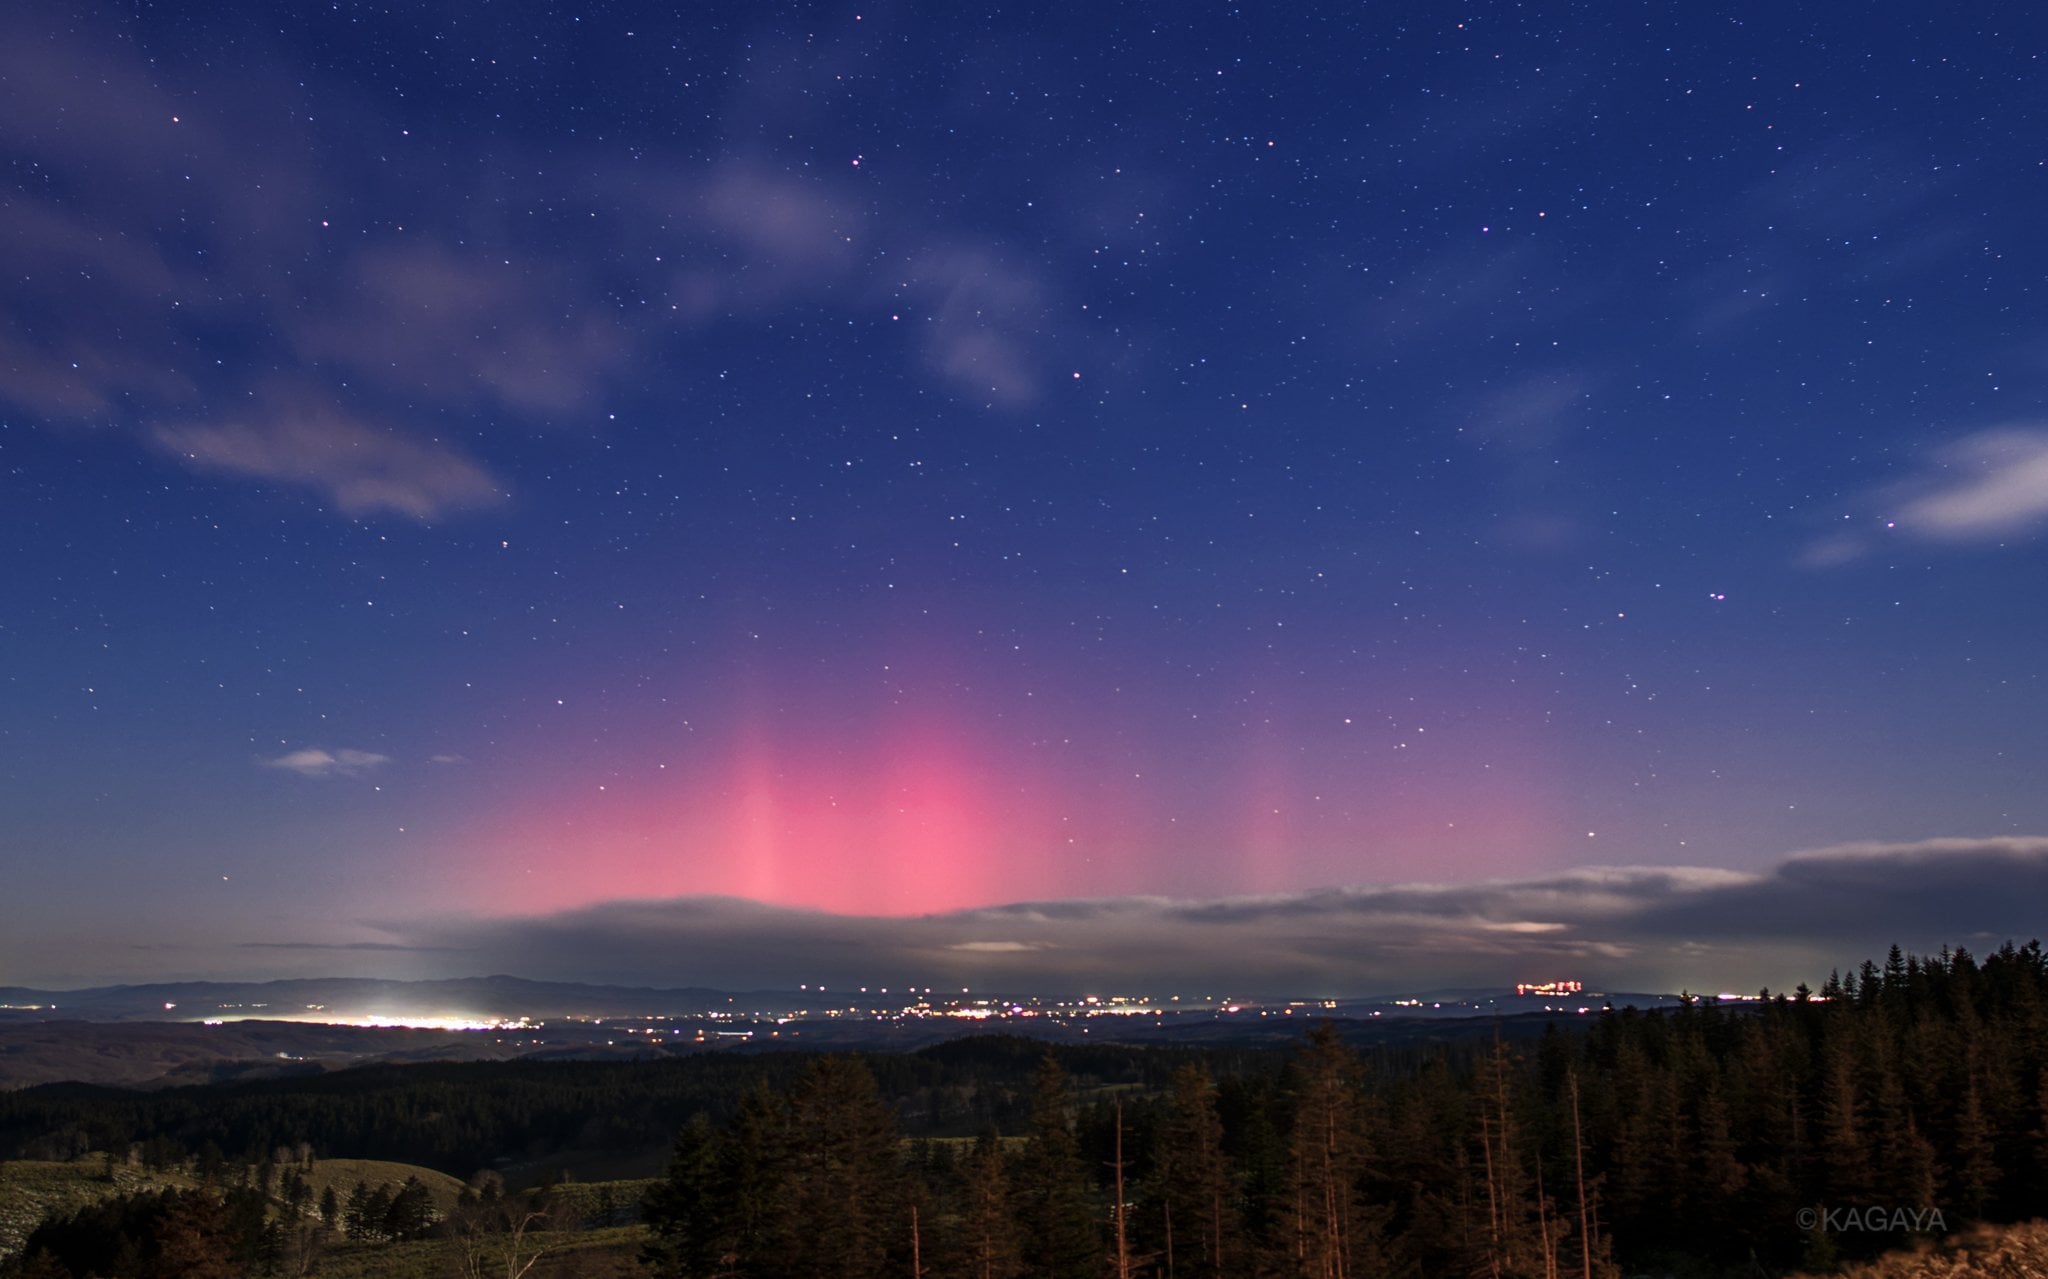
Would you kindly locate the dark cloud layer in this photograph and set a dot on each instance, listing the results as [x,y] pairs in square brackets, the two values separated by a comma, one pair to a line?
[1624,927]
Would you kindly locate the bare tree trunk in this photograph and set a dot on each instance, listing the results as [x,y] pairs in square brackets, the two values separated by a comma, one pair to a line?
[1579,1160]
[1168,1205]
[1492,1198]
[1511,1220]
[1123,1252]
[1300,1215]
[916,1247]
[1335,1200]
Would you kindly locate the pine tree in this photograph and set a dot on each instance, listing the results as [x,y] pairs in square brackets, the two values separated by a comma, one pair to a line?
[377,1213]
[1846,1151]
[1894,980]
[192,1240]
[1905,1158]
[844,1188]
[1198,1202]
[1424,1157]
[2037,1134]
[44,1265]
[1976,1170]
[686,1211]
[411,1211]
[1715,1172]
[1120,1199]
[1515,1244]
[1333,1233]
[754,1166]
[989,1233]
[1057,1215]
[355,1213]
[1645,1154]
[1594,1258]
[1254,1146]
[293,1192]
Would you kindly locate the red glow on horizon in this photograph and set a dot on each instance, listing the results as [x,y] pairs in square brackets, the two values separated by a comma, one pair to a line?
[905,833]
[908,825]
[915,811]
[1270,818]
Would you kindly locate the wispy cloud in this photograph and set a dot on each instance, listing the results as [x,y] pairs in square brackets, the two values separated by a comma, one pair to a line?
[793,226]
[998,947]
[1532,413]
[440,303]
[1992,485]
[763,239]
[112,136]
[399,321]
[982,310]
[314,761]
[360,469]
[1638,927]
[379,947]
[1520,427]
[65,274]
[1869,200]
[463,329]
[1988,487]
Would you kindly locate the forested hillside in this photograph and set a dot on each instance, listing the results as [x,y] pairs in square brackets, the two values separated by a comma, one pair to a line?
[1906,1100]
[1800,1130]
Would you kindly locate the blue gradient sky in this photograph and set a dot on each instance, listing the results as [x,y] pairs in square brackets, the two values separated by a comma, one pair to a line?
[467,465]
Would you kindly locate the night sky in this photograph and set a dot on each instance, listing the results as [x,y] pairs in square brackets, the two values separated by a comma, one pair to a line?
[472,475]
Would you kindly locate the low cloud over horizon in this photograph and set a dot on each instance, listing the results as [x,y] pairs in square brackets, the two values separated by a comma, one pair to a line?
[1616,927]
[316,761]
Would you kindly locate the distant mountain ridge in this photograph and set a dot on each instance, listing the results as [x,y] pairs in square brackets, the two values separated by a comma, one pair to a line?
[320,998]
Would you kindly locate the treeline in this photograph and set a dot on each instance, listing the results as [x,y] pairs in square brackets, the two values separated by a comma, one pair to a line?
[816,1182]
[1303,1170]
[450,1116]
[458,1116]
[278,1226]
[1918,1087]
[200,1233]
[1736,1138]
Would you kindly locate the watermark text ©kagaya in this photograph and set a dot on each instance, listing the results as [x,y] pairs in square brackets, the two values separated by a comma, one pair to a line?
[1873,1217]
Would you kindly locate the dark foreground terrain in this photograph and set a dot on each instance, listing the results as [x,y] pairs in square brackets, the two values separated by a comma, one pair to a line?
[1696,1141]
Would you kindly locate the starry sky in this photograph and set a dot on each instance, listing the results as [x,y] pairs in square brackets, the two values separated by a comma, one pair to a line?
[473,474]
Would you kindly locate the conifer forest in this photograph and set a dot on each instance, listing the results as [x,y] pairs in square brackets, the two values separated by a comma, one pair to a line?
[1798,1132]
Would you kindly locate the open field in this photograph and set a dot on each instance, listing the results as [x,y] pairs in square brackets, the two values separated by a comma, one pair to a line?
[586,1254]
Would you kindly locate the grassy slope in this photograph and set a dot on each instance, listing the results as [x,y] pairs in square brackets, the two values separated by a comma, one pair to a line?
[343,1174]
[592,1254]
[31,1189]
